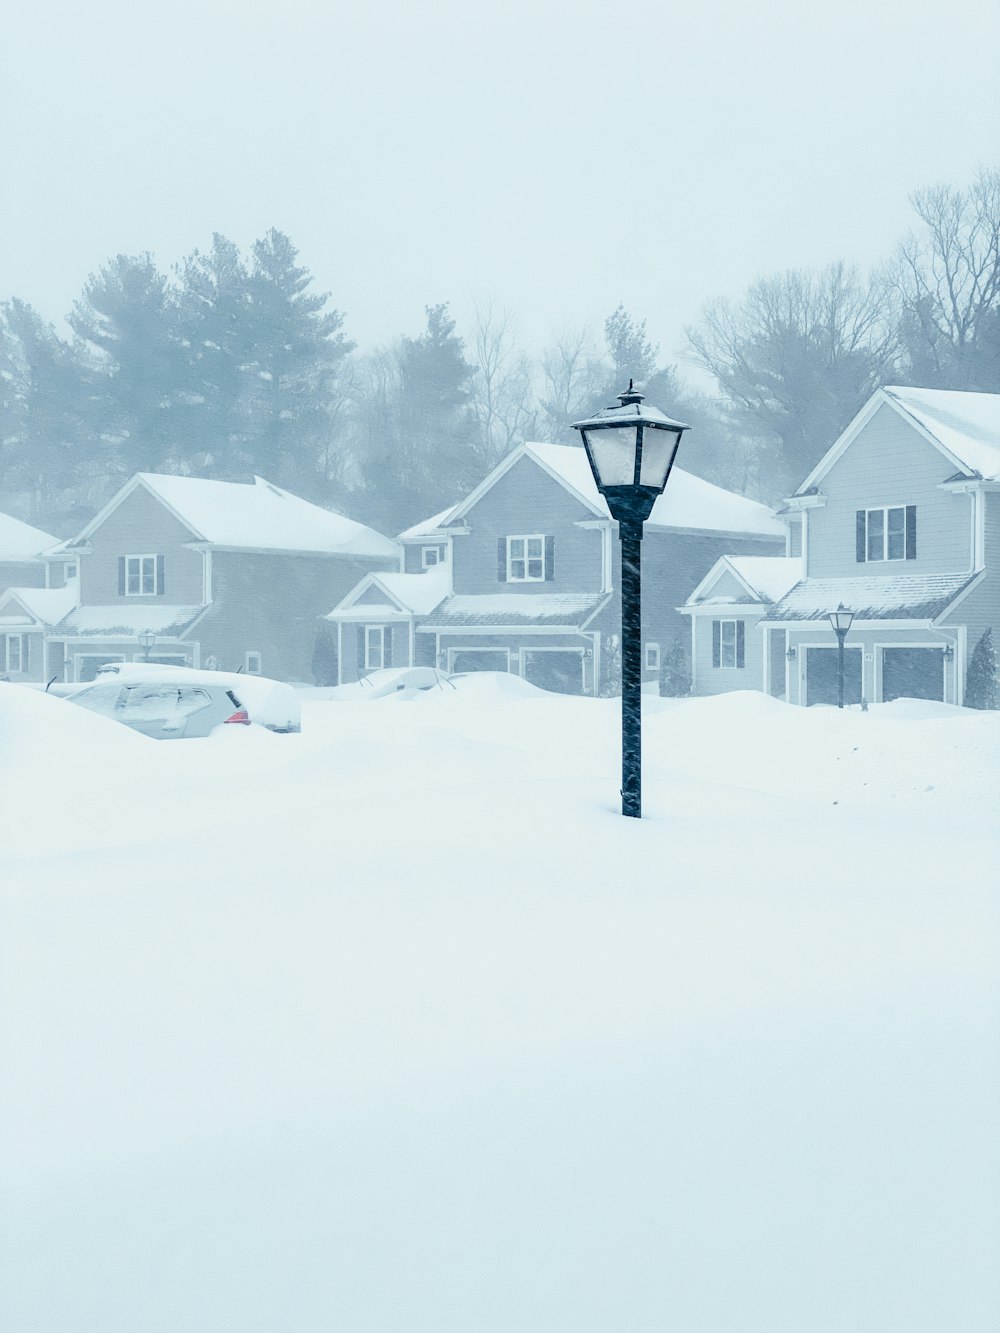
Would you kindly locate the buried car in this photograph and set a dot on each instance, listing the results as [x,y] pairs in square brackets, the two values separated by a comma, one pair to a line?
[174,703]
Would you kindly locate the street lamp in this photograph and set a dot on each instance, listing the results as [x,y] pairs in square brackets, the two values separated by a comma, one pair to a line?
[841,622]
[631,450]
[146,640]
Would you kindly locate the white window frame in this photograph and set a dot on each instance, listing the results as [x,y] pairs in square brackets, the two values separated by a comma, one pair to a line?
[651,657]
[525,559]
[140,560]
[370,632]
[430,556]
[248,658]
[70,570]
[8,656]
[723,664]
[885,556]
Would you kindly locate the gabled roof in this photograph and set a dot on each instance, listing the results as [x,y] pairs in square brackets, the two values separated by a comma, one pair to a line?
[405,594]
[118,620]
[20,541]
[689,503]
[252,516]
[430,527]
[47,606]
[884,597]
[964,427]
[764,578]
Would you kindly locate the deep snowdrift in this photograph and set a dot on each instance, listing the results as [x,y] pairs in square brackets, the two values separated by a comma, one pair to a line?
[397,1026]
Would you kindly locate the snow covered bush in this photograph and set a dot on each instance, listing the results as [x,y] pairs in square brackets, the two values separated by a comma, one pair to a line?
[982,689]
[675,674]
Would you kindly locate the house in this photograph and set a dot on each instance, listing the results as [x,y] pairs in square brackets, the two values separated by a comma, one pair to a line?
[900,522]
[201,573]
[522,575]
[22,570]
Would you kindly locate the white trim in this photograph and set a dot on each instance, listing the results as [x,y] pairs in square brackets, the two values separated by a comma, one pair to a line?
[526,560]
[879,649]
[340,652]
[425,551]
[369,631]
[251,652]
[805,544]
[501,470]
[145,556]
[813,626]
[501,631]
[648,648]
[607,559]
[978,529]
[122,495]
[206,576]
[970,587]
[350,598]
[886,558]
[844,441]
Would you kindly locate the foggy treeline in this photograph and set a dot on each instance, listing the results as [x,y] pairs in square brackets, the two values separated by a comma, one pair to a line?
[231,364]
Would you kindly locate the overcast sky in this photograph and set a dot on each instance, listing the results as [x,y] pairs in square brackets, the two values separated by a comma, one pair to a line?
[562,157]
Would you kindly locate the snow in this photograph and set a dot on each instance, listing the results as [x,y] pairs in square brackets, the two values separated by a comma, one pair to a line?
[47,605]
[263,517]
[519,608]
[687,502]
[397,1026]
[20,541]
[429,527]
[914,596]
[967,424]
[122,619]
[419,593]
[771,576]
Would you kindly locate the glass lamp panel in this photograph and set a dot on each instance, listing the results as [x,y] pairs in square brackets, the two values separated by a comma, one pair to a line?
[841,619]
[658,449]
[613,452]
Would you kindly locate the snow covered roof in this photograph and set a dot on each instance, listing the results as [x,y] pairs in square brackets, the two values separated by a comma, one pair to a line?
[770,576]
[513,609]
[255,516]
[20,541]
[966,424]
[688,501]
[46,605]
[122,621]
[889,597]
[408,594]
[430,527]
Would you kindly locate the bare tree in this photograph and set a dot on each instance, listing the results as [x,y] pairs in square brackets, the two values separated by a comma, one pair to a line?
[502,387]
[948,276]
[572,374]
[796,358]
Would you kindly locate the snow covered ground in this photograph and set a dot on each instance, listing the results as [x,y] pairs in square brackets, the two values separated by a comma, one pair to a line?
[396,1026]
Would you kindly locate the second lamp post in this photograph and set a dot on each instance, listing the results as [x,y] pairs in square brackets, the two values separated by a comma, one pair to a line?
[631,450]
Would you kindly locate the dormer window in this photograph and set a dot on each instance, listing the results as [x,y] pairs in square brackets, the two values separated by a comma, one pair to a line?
[889,533]
[431,555]
[69,570]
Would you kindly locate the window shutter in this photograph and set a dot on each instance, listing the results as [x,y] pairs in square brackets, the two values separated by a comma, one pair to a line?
[550,558]
[911,532]
[159,576]
[362,631]
[860,537]
[387,646]
[716,642]
[740,643]
[501,559]
[121,576]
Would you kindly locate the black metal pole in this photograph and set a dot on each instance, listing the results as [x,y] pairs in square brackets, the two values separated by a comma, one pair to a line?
[840,664]
[630,533]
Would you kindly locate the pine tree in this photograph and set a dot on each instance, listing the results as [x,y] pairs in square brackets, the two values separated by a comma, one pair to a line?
[128,315]
[982,688]
[675,675]
[296,354]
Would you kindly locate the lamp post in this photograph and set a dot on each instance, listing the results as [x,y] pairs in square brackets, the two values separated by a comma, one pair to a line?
[146,640]
[631,450]
[841,622]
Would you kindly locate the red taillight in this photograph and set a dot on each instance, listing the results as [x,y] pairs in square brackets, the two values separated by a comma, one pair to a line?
[240,715]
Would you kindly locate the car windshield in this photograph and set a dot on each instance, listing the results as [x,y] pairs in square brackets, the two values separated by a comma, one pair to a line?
[147,703]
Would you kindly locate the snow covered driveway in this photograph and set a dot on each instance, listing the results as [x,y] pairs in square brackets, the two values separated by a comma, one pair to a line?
[397,1026]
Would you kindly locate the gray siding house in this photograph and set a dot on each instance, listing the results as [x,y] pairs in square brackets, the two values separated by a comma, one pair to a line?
[900,522]
[523,575]
[23,575]
[220,574]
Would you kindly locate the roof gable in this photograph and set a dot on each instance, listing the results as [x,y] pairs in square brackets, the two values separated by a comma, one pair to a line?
[20,541]
[963,427]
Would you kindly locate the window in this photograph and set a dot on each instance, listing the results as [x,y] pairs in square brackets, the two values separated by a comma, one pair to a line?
[16,658]
[140,576]
[887,534]
[374,647]
[69,571]
[652,657]
[525,559]
[431,555]
[252,664]
[728,643]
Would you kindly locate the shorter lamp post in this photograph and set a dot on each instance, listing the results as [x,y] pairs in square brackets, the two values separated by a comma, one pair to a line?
[146,640]
[631,450]
[841,622]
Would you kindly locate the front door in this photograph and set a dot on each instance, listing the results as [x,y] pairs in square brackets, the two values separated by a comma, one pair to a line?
[822,676]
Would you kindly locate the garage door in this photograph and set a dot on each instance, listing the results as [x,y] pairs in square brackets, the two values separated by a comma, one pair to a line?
[557,671]
[912,673]
[480,659]
[823,678]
